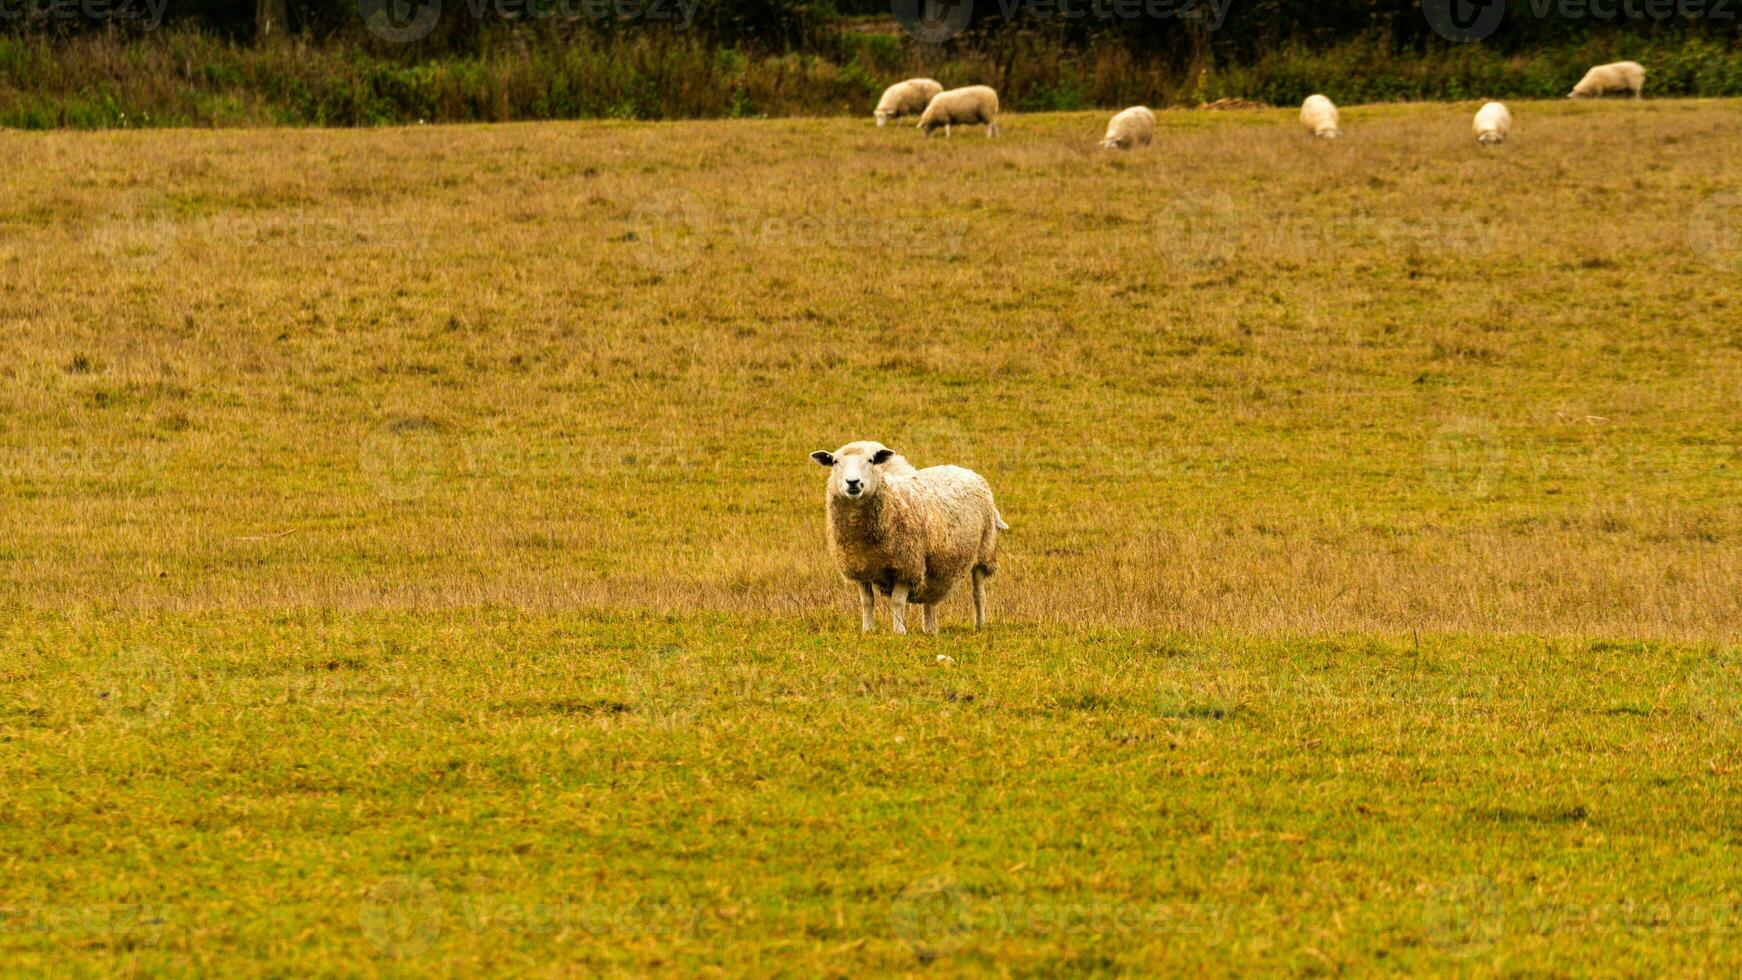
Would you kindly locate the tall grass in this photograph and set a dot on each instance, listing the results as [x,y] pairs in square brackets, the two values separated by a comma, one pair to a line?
[187,78]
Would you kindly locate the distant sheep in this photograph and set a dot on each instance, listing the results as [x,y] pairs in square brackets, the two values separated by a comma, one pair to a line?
[909,534]
[1493,123]
[907,98]
[1133,127]
[1319,117]
[961,107]
[1622,76]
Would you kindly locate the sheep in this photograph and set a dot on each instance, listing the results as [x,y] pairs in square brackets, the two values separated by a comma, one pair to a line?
[909,534]
[1320,118]
[961,107]
[905,99]
[1622,76]
[1133,127]
[1493,123]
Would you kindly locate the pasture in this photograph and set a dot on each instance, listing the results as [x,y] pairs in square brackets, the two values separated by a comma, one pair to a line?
[411,563]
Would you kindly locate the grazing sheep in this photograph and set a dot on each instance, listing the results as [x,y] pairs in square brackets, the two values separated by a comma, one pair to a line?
[905,99]
[1319,116]
[1493,123]
[1622,76]
[1133,127]
[961,107]
[909,534]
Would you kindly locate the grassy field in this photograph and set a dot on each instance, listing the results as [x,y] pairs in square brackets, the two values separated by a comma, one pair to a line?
[410,563]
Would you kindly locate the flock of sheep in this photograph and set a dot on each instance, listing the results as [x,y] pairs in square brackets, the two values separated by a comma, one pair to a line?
[978,104]
[913,535]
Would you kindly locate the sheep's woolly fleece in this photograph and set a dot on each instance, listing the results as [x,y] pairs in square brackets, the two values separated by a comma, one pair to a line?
[905,99]
[926,528]
[962,107]
[1621,76]
[1319,116]
[1492,123]
[1133,127]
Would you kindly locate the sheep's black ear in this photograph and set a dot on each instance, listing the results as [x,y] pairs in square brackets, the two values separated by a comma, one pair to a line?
[823,459]
[881,456]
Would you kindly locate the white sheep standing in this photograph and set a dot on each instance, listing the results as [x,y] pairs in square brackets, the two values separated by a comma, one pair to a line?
[1493,124]
[961,107]
[905,99]
[1133,127]
[1622,76]
[1319,116]
[909,534]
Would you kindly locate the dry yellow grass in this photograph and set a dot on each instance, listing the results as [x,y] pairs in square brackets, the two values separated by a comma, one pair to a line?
[1241,381]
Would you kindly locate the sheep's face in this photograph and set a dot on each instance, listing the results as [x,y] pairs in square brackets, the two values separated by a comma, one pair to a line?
[855,470]
[883,116]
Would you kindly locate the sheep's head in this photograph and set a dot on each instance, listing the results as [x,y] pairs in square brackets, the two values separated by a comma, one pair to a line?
[883,116]
[856,469]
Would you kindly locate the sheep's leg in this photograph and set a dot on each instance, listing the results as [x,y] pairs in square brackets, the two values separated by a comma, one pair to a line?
[946,130]
[867,602]
[931,617]
[979,598]
[898,608]
[991,129]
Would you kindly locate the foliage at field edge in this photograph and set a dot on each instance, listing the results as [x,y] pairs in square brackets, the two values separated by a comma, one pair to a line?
[182,77]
